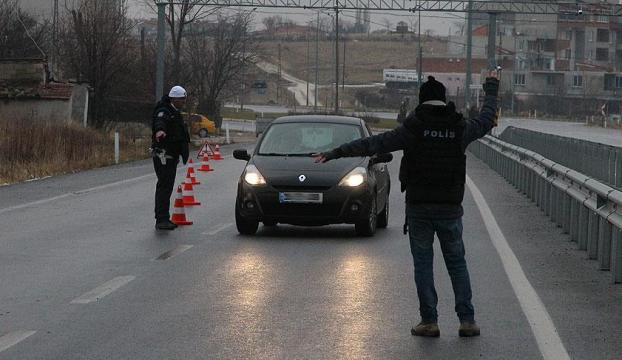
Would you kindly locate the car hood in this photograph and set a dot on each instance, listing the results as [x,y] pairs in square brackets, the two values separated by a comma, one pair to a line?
[286,171]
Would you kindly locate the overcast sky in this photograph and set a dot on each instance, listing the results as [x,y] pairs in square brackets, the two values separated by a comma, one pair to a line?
[440,23]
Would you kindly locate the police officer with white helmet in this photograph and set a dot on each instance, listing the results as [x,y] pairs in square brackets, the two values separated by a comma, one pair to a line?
[170,139]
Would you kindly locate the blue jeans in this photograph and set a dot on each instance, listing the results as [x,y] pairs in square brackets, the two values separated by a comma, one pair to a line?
[421,233]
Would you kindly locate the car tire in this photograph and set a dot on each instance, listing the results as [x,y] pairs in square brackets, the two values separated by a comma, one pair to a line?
[245,226]
[383,217]
[203,133]
[368,226]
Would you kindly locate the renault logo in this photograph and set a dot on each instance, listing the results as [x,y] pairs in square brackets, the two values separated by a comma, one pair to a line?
[302,178]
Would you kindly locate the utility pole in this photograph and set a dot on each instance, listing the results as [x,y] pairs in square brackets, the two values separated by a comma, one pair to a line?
[54,54]
[492,41]
[160,59]
[278,82]
[243,82]
[420,61]
[317,50]
[467,81]
[308,66]
[343,72]
[336,60]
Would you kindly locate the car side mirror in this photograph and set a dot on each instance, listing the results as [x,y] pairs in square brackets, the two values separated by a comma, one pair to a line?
[382,158]
[241,154]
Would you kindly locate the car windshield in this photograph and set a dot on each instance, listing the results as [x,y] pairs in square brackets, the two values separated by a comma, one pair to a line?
[306,138]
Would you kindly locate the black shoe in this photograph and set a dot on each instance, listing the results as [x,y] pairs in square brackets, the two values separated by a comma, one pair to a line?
[468,329]
[426,330]
[165,225]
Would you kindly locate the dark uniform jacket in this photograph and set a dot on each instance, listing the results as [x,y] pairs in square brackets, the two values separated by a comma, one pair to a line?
[434,138]
[168,119]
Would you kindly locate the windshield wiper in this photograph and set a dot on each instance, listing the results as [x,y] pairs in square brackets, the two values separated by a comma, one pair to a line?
[301,154]
[272,154]
[286,154]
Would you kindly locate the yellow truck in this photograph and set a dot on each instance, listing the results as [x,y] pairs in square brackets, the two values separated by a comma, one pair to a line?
[200,125]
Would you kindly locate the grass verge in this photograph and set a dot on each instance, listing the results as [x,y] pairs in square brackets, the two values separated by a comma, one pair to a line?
[30,150]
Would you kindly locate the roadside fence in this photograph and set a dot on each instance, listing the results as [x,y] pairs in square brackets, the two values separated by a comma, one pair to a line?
[599,161]
[584,207]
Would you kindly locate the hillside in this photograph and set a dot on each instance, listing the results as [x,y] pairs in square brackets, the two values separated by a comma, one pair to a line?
[364,58]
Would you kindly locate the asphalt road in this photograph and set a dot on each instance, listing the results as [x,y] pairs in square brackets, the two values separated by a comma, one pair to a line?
[80,279]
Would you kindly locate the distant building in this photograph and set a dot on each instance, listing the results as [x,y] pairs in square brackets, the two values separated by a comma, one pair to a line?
[26,93]
[401,28]
[563,64]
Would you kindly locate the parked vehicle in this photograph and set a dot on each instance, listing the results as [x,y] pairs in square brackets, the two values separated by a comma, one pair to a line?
[200,125]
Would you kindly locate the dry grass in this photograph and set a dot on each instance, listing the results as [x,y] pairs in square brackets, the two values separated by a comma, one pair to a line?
[364,59]
[31,150]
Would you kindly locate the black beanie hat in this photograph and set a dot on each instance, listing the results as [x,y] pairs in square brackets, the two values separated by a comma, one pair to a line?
[432,90]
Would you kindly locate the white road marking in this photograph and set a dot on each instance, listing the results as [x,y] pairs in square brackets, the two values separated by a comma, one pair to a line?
[218,229]
[549,342]
[38,202]
[103,290]
[116,183]
[13,338]
[174,252]
[75,193]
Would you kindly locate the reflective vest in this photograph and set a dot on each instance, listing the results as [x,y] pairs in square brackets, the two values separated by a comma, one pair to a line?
[433,169]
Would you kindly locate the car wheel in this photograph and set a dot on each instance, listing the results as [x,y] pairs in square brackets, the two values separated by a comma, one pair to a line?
[383,217]
[367,227]
[245,226]
[203,133]
[269,223]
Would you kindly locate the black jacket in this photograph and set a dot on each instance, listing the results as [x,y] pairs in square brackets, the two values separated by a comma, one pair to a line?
[401,138]
[168,119]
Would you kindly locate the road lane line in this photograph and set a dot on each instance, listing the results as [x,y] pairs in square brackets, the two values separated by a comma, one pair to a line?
[173,252]
[38,202]
[549,342]
[116,183]
[14,338]
[74,193]
[105,289]
[218,229]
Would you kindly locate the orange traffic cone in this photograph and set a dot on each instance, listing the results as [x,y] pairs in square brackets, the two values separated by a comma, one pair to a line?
[188,192]
[217,155]
[205,164]
[179,215]
[191,176]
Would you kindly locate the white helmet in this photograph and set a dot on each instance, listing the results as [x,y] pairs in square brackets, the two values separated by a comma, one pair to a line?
[177,92]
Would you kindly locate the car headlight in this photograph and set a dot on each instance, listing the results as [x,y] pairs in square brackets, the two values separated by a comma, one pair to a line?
[252,176]
[354,178]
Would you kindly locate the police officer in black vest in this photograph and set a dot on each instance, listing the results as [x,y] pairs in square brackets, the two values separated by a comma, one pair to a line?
[434,138]
[170,141]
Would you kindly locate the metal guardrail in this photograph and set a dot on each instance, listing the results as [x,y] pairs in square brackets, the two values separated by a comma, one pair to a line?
[586,209]
[600,161]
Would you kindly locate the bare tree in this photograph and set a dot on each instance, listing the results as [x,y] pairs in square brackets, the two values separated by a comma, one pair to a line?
[180,15]
[270,24]
[21,36]
[326,25]
[387,24]
[218,60]
[96,48]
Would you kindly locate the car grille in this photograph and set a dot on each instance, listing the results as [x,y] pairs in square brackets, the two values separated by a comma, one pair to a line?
[300,210]
[300,188]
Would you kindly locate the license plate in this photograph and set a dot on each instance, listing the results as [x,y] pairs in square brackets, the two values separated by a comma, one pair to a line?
[300,198]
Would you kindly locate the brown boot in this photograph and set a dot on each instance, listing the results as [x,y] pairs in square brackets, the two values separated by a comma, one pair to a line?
[426,329]
[468,329]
